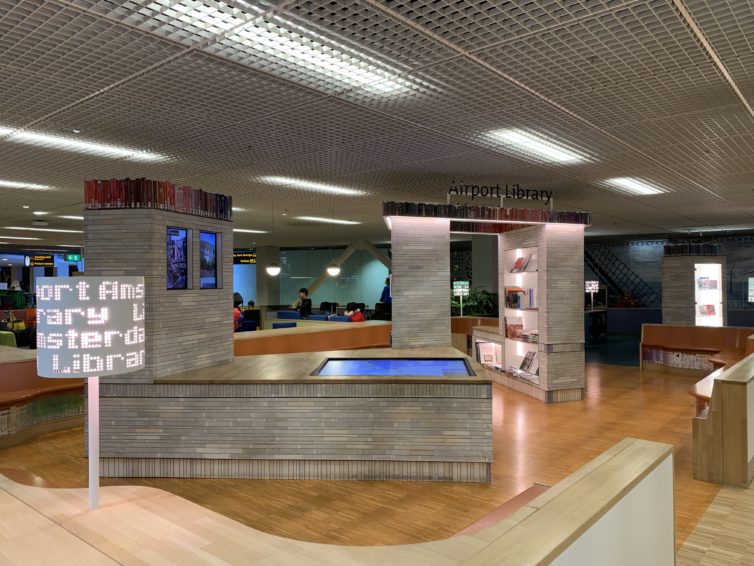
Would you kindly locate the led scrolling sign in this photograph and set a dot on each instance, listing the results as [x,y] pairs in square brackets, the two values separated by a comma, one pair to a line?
[90,326]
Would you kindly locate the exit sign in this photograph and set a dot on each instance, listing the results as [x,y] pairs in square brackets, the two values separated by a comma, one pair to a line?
[73,257]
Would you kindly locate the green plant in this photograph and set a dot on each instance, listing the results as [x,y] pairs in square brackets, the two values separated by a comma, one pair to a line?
[480,302]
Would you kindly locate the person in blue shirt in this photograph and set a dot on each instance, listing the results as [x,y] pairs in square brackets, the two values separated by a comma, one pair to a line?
[385,298]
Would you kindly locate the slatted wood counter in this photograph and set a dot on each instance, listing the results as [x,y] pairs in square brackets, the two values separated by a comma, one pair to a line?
[268,417]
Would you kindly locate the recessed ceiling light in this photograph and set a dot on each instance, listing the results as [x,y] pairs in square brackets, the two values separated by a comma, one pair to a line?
[632,186]
[39,213]
[277,39]
[245,231]
[76,131]
[24,206]
[238,209]
[536,146]
[78,146]
[319,187]
[18,185]
[16,238]
[44,230]
[326,220]
[71,217]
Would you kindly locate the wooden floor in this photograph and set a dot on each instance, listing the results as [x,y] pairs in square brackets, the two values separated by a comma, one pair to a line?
[533,443]
[724,536]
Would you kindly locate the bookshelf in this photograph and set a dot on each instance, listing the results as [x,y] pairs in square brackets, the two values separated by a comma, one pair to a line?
[708,294]
[521,313]
[162,195]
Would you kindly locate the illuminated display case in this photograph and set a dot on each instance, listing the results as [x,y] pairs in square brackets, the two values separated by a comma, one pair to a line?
[708,294]
[521,299]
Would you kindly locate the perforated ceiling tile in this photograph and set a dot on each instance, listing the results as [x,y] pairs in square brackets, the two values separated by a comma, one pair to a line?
[727,24]
[477,24]
[51,43]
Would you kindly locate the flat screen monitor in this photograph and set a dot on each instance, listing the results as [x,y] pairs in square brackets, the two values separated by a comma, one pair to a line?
[177,258]
[207,260]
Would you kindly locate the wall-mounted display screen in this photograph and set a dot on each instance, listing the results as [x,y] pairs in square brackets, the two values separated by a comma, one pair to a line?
[177,258]
[208,260]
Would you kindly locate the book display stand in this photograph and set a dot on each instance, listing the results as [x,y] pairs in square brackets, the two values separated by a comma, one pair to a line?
[693,287]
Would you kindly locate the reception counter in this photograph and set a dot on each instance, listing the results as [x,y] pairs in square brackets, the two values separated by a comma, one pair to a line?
[269,417]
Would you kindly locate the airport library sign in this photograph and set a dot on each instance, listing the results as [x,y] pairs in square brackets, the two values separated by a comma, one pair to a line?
[513,191]
[90,326]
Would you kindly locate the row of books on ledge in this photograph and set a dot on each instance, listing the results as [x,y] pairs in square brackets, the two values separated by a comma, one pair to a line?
[514,330]
[692,249]
[474,212]
[163,195]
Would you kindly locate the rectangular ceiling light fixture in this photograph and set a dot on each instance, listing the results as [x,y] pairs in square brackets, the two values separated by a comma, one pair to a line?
[16,185]
[16,238]
[71,217]
[632,186]
[309,185]
[326,220]
[537,147]
[77,145]
[274,39]
[245,231]
[35,229]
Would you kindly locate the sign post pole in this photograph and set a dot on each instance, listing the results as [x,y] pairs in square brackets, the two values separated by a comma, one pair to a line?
[461,299]
[92,406]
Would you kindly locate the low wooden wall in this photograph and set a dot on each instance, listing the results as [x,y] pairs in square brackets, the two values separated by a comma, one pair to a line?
[723,432]
[30,405]
[315,338]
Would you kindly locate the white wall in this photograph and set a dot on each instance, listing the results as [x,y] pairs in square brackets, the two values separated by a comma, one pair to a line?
[636,531]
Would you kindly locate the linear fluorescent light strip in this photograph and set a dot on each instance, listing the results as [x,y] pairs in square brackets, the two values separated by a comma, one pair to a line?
[633,186]
[313,52]
[71,217]
[17,185]
[536,146]
[78,146]
[16,238]
[326,220]
[245,231]
[44,230]
[319,187]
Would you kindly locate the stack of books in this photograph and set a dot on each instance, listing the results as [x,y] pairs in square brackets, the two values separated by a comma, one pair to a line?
[163,195]
[692,249]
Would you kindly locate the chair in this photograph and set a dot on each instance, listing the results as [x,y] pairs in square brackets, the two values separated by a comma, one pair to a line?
[248,326]
[317,317]
[253,314]
[289,314]
[276,325]
[340,318]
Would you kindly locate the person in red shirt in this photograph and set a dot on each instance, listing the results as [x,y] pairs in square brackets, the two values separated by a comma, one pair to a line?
[354,313]
[237,314]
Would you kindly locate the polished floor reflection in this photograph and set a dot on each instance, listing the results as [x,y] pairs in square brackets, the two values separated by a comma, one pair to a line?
[533,443]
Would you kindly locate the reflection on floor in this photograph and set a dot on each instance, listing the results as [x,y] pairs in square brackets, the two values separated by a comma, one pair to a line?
[725,534]
[533,443]
[614,350]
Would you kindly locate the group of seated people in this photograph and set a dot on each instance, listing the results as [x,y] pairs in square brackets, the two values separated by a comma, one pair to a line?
[354,311]
[244,319]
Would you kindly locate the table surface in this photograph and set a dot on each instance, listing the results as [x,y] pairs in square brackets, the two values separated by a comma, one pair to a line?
[297,368]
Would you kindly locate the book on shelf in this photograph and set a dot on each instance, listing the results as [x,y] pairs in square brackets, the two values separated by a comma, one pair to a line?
[704,283]
[520,298]
[531,336]
[526,363]
[520,264]
[163,195]
[706,310]
[671,250]
[514,327]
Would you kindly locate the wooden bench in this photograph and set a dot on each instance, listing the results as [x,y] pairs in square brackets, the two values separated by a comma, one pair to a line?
[721,347]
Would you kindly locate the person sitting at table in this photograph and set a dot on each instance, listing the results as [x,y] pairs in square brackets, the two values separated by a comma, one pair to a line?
[251,306]
[354,312]
[237,314]
[304,304]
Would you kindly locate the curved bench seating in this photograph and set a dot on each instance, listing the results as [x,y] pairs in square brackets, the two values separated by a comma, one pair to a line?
[30,405]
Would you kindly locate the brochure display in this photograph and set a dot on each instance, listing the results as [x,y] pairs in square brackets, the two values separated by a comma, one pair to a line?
[708,294]
[521,313]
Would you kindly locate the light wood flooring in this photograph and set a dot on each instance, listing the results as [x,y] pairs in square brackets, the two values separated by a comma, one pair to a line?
[533,443]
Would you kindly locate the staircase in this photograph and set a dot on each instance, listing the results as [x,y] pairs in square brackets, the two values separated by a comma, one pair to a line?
[618,276]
